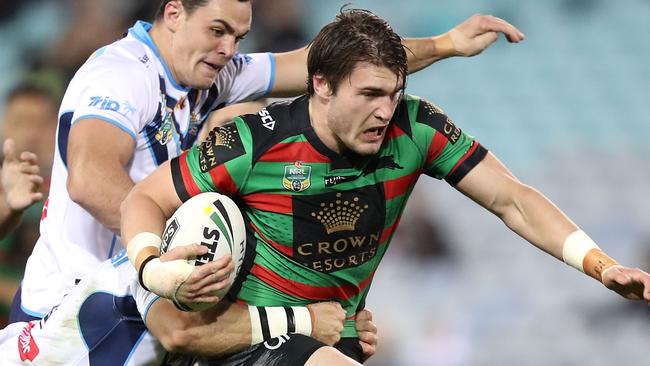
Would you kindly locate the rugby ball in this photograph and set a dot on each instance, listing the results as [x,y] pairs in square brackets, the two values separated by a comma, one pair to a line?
[212,220]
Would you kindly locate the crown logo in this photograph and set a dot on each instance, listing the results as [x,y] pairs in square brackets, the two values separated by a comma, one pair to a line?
[222,137]
[340,215]
[431,108]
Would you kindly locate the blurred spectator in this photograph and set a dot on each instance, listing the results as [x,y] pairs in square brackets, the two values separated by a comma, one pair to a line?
[283,31]
[30,121]
[92,23]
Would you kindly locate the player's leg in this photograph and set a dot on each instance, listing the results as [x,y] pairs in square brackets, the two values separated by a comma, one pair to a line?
[285,350]
[328,356]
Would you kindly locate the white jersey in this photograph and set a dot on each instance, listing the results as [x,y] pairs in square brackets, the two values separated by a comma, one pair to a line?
[128,85]
[98,323]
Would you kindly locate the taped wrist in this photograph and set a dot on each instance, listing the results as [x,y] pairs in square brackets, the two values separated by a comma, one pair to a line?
[139,242]
[582,253]
[271,322]
[164,278]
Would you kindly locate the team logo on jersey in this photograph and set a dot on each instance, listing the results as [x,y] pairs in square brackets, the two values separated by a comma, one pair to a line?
[223,144]
[165,134]
[340,229]
[433,116]
[297,177]
[27,347]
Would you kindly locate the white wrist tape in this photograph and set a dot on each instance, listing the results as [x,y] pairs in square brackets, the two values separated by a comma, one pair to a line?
[271,322]
[576,246]
[139,242]
[164,278]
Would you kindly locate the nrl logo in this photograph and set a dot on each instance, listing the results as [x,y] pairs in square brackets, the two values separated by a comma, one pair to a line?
[297,177]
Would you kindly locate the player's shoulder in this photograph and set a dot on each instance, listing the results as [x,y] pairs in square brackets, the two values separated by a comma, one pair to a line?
[275,123]
[125,60]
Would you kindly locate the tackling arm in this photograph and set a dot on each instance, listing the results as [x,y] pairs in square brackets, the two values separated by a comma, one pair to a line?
[469,38]
[98,154]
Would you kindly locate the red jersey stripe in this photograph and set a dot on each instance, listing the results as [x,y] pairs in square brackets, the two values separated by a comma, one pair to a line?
[438,143]
[288,251]
[467,154]
[393,132]
[388,231]
[298,151]
[277,203]
[222,180]
[188,181]
[309,292]
[399,186]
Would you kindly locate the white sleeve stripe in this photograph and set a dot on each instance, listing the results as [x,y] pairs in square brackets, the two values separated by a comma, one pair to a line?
[272,78]
[109,120]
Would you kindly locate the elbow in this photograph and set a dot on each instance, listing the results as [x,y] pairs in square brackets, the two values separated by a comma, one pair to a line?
[78,188]
[177,339]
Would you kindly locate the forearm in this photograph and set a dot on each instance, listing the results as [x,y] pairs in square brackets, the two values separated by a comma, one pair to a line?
[290,73]
[220,330]
[536,219]
[141,214]
[422,52]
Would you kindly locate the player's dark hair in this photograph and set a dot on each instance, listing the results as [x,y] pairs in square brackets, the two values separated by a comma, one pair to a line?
[356,35]
[189,5]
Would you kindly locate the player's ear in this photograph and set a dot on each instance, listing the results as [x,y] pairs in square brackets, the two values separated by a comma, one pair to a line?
[174,13]
[321,86]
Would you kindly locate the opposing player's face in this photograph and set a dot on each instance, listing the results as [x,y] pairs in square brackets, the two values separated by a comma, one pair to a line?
[359,113]
[207,40]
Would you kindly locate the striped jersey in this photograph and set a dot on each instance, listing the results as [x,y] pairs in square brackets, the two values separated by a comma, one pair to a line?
[128,85]
[320,222]
[97,323]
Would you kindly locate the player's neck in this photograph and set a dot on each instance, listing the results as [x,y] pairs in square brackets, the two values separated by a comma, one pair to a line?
[318,120]
[163,42]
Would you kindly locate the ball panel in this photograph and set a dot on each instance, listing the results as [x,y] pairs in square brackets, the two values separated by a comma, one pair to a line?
[214,221]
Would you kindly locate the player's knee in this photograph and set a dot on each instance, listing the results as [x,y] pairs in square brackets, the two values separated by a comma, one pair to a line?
[329,356]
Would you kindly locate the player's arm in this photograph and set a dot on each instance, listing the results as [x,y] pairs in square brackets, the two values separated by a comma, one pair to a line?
[224,115]
[229,327]
[97,158]
[469,38]
[20,188]
[535,218]
[144,212]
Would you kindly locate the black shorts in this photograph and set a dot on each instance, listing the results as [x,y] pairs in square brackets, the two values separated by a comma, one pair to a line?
[286,350]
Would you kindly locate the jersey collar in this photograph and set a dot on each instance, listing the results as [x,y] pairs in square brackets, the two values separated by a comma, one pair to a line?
[140,31]
[338,161]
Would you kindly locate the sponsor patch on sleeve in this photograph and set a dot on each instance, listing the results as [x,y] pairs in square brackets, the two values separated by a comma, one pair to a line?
[434,117]
[222,145]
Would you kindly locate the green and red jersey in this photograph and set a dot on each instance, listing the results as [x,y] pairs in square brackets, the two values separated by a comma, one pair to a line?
[320,222]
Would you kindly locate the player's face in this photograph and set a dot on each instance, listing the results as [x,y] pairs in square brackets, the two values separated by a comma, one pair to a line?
[206,40]
[359,112]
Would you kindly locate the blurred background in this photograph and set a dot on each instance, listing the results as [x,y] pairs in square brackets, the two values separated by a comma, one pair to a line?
[566,110]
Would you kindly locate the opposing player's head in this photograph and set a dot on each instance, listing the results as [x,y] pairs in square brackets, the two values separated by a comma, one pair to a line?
[357,70]
[198,38]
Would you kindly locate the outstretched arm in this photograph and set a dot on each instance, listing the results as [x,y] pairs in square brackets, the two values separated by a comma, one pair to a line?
[469,38]
[531,215]
[21,186]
